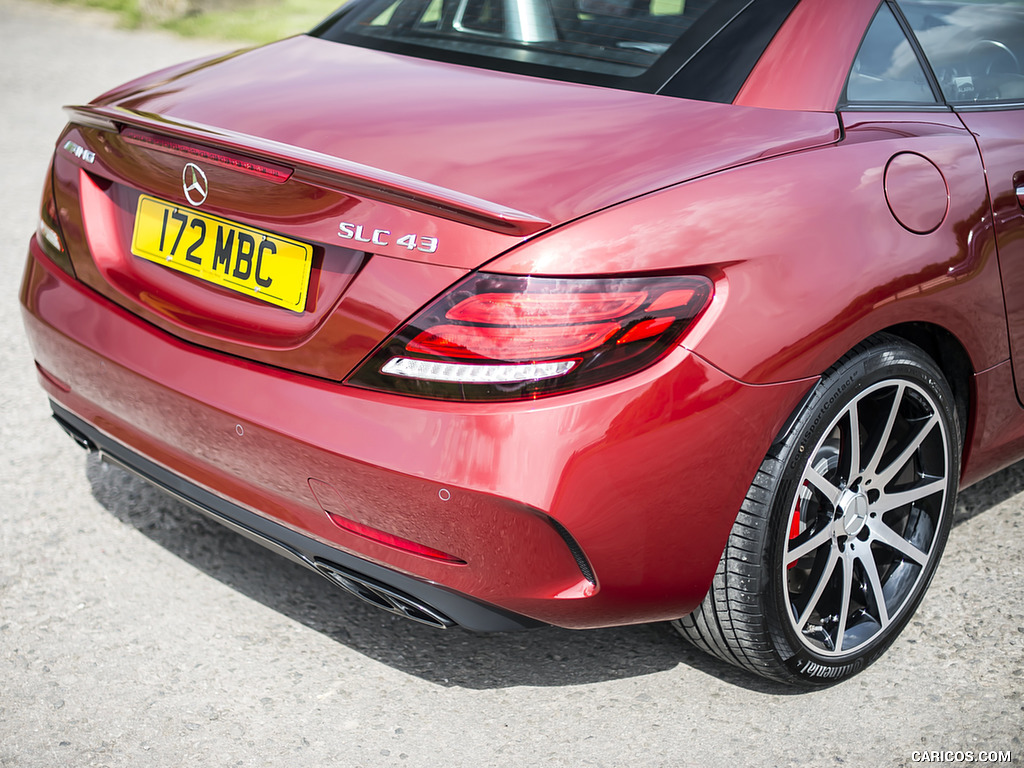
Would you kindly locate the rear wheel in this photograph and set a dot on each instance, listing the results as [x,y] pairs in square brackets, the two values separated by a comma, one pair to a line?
[843,526]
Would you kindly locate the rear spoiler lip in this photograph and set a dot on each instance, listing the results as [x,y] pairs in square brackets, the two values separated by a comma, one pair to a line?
[325,171]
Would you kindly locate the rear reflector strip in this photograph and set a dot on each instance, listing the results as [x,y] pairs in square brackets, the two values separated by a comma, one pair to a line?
[277,174]
[390,540]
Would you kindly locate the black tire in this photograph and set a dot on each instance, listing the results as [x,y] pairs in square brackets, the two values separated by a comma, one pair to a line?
[837,539]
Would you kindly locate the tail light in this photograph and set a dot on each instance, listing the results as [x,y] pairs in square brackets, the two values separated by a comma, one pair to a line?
[501,337]
[48,234]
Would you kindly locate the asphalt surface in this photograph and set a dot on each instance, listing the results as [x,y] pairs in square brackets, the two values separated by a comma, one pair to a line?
[135,633]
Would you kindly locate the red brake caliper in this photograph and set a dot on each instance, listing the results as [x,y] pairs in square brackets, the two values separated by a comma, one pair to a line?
[794,528]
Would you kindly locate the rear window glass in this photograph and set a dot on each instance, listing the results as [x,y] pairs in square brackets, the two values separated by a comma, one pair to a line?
[634,44]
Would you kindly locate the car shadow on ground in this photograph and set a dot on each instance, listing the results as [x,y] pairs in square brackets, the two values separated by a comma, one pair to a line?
[541,657]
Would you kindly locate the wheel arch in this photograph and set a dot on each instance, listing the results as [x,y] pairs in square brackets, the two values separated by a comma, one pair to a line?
[942,346]
[952,359]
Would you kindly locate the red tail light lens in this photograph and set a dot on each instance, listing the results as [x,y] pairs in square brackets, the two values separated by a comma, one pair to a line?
[500,337]
[48,234]
[482,342]
[526,309]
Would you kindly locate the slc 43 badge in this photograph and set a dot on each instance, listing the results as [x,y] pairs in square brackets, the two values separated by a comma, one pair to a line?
[361,234]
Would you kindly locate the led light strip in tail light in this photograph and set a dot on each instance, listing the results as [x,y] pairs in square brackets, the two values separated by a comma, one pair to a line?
[503,337]
[431,370]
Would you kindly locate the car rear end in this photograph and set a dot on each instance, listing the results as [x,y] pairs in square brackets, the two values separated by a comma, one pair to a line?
[319,348]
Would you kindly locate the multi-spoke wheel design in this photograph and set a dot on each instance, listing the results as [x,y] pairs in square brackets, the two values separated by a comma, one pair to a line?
[865,517]
[843,526]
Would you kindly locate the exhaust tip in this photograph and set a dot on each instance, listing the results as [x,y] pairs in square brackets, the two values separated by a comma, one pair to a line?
[74,434]
[382,597]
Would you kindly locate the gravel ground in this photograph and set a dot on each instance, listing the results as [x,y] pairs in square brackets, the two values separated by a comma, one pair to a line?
[135,633]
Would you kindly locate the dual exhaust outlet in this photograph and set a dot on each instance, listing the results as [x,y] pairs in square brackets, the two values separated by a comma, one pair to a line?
[382,597]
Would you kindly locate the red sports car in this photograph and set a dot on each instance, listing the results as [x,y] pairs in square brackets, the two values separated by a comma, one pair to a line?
[503,313]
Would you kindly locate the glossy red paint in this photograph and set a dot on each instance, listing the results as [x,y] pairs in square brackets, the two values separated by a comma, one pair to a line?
[315,168]
[552,150]
[996,435]
[608,504]
[394,454]
[805,65]
[812,230]
[998,135]
[345,317]
[99,199]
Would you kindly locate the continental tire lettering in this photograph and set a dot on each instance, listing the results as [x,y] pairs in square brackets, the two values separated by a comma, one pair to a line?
[836,394]
[840,391]
[814,669]
[823,413]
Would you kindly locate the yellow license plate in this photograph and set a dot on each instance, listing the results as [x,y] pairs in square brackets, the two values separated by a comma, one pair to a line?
[240,258]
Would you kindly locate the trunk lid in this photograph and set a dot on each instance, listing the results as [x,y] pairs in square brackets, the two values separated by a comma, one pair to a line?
[394,175]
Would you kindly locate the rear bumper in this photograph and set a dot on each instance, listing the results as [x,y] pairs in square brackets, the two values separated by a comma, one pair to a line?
[389,590]
[602,507]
